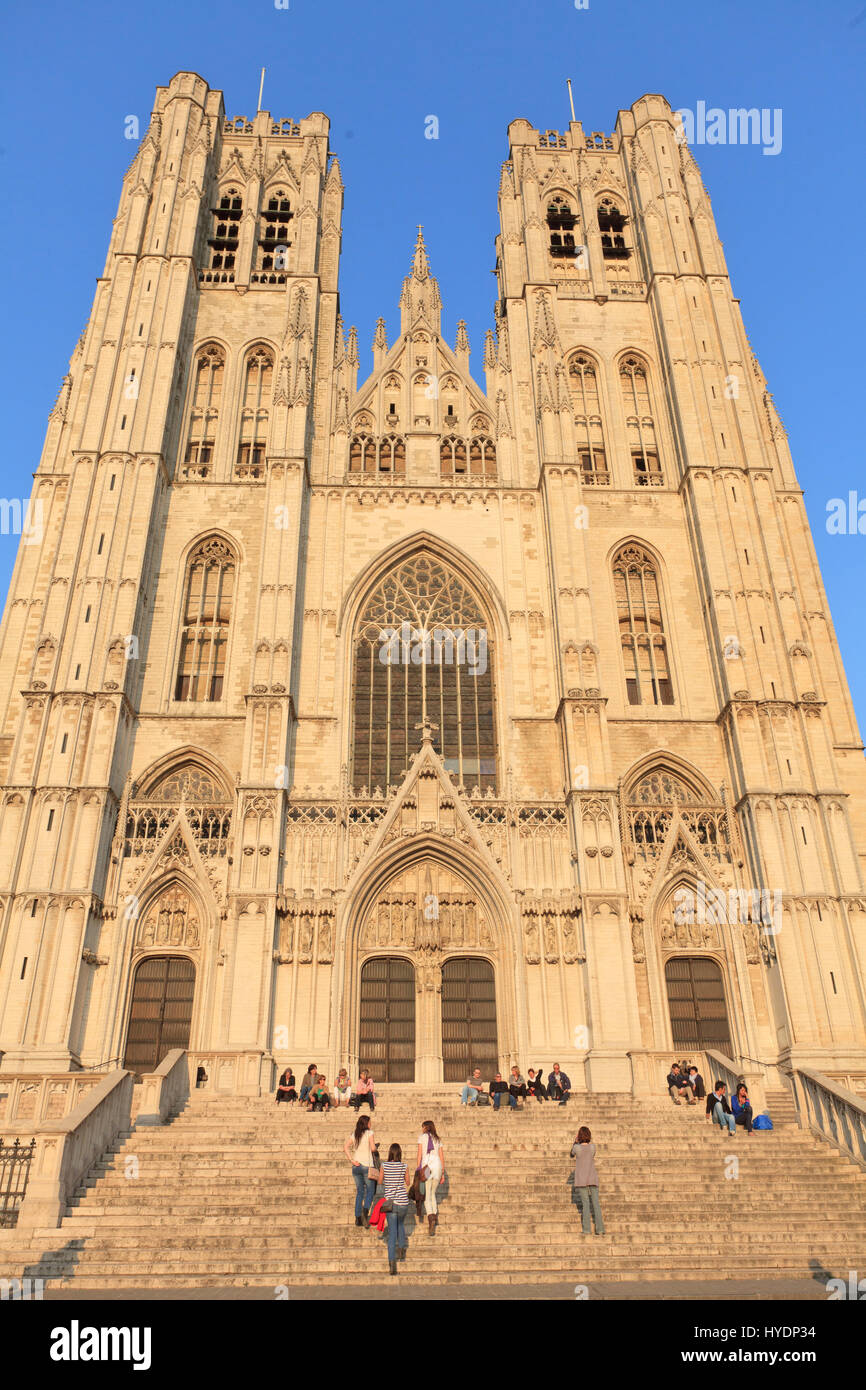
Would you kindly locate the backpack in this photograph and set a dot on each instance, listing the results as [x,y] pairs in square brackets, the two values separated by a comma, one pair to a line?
[762,1122]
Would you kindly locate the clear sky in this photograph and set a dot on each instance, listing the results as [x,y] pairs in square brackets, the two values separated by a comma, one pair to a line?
[792,223]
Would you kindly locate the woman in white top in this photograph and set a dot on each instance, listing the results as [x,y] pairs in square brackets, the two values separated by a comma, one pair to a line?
[359,1149]
[431,1157]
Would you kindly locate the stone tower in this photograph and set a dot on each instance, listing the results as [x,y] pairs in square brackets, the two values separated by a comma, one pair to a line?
[409,724]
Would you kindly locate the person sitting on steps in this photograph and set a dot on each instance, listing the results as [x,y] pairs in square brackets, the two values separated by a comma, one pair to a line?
[342,1089]
[364,1091]
[696,1081]
[472,1089]
[320,1096]
[307,1083]
[719,1110]
[498,1089]
[558,1085]
[742,1108]
[535,1085]
[516,1089]
[678,1086]
[286,1088]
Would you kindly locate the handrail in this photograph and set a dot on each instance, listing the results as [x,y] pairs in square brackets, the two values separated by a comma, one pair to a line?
[98,1066]
[832,1112]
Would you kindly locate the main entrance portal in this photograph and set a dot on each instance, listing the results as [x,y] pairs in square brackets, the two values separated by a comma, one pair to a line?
[696,998]
[468,1018]
[387,1037]
[161,1011]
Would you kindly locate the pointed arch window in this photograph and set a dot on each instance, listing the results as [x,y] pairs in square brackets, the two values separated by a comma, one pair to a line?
[640,422]
[225,230]
[583,380]
[258,385]
[207,609]
[273,240]
[204,412]
[561,222]
[422,651]
[611,224]
[641,627]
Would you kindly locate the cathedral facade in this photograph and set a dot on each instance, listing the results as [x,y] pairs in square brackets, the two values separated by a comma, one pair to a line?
[404,723]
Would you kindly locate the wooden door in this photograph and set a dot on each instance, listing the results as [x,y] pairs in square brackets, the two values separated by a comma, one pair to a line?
[161,1011]
[387,1037]
[468,1019]
[696,999]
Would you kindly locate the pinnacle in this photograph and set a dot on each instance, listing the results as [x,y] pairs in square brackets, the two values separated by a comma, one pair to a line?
[420,263]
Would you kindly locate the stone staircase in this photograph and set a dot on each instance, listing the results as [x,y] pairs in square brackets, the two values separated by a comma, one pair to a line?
[237,1191]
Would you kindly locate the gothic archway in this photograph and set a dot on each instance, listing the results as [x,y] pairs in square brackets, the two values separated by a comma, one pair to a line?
[160,1011]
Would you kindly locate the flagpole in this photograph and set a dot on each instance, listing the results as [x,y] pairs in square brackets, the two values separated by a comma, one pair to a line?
[570,98]
[261,89]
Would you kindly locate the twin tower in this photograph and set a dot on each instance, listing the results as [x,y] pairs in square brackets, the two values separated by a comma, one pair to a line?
[263,799]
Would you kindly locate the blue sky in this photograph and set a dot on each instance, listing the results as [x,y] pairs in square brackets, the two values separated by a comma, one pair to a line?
[791,223]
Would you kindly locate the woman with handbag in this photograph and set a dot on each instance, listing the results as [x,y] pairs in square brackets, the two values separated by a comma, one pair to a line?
[360,1150]
[431,1162]
[396,1181]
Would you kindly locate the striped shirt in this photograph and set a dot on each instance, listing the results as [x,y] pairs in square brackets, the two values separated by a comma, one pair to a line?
[394,1181]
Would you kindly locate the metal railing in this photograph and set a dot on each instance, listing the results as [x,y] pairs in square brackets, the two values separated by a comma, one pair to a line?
[15,1160]
[100,1066]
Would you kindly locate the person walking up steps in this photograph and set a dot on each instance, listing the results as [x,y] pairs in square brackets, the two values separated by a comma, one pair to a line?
[431,1161]
[359,1149]
[396,1180]
[586,1179]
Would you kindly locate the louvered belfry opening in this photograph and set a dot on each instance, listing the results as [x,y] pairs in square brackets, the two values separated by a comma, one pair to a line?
[161,1011]
[468,1019]
[423,650]
[387,1035]
[696,999]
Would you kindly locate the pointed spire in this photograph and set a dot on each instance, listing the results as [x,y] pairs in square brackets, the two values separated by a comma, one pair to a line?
[380,344]
[462,344]
[352,348]
[420,264]
[503,421]
[545,329]
[543,391]
[335,178]
[506,181]
[420,300]
[341,423]
[504,356]
[563,395]
[489,351]
[339,342]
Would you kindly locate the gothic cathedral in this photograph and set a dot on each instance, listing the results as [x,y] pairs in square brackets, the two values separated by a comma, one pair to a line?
[404,723]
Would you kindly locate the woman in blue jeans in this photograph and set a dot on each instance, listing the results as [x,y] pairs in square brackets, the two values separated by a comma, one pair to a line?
[359,1149]
[396,1180]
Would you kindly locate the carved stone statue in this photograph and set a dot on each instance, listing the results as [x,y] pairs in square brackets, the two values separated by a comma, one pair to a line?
[532,954]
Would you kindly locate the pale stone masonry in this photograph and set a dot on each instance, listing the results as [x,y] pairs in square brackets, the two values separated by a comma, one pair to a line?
[194,731]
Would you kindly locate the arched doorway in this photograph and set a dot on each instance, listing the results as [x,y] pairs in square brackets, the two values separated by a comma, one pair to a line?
[696,1000]
[468,1018]
[161,1011]
[386,1043]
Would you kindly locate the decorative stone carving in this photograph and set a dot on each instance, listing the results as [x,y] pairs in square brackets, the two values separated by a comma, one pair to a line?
[171,920]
